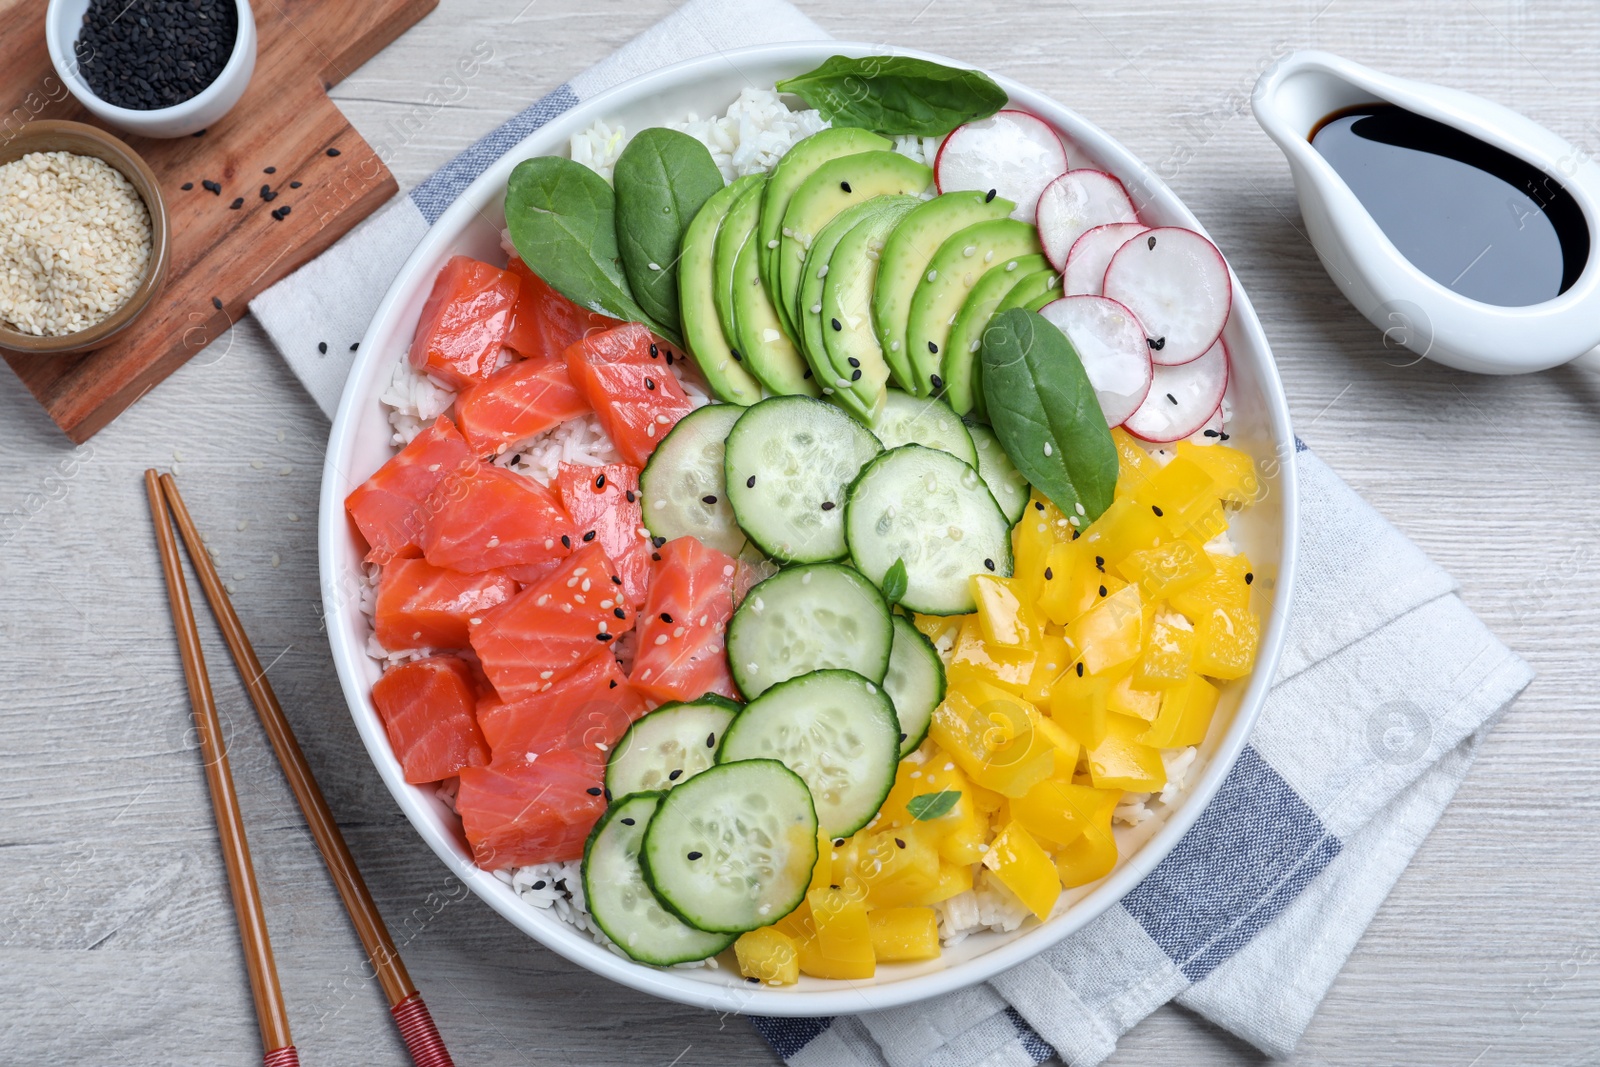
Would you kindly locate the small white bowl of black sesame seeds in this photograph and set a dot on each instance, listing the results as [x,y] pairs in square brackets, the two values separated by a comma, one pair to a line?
[155,68]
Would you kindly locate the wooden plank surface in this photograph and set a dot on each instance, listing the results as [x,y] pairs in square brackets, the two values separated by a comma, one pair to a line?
[221,258]
[116,938]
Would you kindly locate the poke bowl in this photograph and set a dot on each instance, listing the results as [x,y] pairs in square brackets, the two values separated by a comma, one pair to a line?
[869,810]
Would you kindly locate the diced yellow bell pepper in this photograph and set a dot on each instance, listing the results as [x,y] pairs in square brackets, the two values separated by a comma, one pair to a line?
[1233,471]
[1041,526]
[937,627]
[1088,582]
[1066,748]
[899,867]
[1005,612]
[954,878]
[1186,711]
[987,801]
[993,736]
[961,829]
[1229,584]
[1184,500]
[1024,868]
[842,944]
[768,955]
[1128,525]
[846,858]
[1078,704]
[1135,466]
[1057,810]
[900,934]
[1122,761]
[1168,653]
[1009,668]
[1124,699]
[1055,656]
[1227,638]
[1168,568]
[1110,633]
[1092,855]
[822,872]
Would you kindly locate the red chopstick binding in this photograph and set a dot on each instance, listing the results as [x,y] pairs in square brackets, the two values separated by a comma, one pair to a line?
[282,1057]
[420,1035]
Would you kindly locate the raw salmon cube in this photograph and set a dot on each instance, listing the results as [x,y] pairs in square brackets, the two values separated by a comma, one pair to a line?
[429,710]
[464,322]
[491,518]
[626,374]
[543,322]
[392,508]
[604,505]
[516,403]
[588,709]
[539,812]
[681,652]
[423,606]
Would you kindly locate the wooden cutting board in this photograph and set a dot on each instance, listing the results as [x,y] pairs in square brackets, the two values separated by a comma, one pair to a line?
[219,255]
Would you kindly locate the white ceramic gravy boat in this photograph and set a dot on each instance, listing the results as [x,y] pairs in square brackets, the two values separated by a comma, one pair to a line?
[1411,308]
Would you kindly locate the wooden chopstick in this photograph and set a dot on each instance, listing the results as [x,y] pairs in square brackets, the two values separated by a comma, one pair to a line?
[270,1013]
[405,1003]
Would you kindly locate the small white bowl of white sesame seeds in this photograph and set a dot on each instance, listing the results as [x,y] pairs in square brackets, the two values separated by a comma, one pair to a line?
[83,238]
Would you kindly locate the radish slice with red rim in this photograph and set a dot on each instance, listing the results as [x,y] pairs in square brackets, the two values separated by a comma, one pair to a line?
[1012,153]
[1182,399]
[1092,252]
[1075,203]
[1110,344]
[1177,283]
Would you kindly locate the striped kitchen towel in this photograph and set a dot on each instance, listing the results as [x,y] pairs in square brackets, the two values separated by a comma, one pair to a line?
[1386,687]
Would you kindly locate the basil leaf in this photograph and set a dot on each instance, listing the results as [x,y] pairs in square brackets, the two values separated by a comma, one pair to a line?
[894,582]
[925,806]
[662,178]
[1045,413]
[562,218]
[897,95]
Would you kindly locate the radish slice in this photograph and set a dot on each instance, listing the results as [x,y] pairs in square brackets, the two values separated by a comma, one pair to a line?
[1177,283]
[1110,343]
[1092,252]
[1211,432]
[1076,202]
[1182,399]
[1012,153]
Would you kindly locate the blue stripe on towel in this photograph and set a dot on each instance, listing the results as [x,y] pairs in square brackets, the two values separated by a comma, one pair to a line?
[1034,1045]
[788,1036]
[1252,852]
[440,190]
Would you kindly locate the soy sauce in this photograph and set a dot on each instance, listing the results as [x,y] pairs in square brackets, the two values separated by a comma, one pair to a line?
[1471,216]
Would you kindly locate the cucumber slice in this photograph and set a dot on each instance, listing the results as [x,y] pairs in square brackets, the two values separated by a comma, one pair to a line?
[836,730]
[966,256]
[681,487]
[767,350]
[830,189]
[908,420]
[622,903]
[963,386]
[853,350]
[669,746]
[1045,283]
[699,282]
[904,262]
[915,682]
[804,619]
[789,463]
[1005,482]
[933,511]
[736,228]
[791,171]
[732,849]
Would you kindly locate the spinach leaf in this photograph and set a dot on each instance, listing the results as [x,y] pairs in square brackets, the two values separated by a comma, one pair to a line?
[894,582]
[897,95]
[1045,413]
[662,179]
[561,216]
[925,806]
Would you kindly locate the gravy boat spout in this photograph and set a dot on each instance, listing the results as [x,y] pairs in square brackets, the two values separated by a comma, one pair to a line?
[1411,308]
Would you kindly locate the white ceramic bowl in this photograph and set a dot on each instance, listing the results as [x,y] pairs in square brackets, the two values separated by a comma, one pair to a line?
[64,19]
[360,444]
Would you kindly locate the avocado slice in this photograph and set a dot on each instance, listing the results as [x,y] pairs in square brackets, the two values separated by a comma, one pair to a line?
[830,189]
[852,349]
[847,385]
[768,352]
[736,228]
[963,387]
[793,169]
[965,256]
[904,261]
[698,304]
[1027,291]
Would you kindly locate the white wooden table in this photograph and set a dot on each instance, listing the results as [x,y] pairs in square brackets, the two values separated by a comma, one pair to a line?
[117,941]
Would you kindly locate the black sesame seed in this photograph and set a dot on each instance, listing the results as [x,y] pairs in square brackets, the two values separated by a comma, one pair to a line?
[1102,590]
[902,737]
[899,843]
[1156,343]
[828,505]
[186,186]
[283,212]
[752,981]
[566,542]
[294,185]
[675,775]
[1249,577]
[845,186]
[1038,505]
[1100,564]
[933,348]
[611,684]
[666,618]
[1074,534]
[267,194]
[836,324]
[694,855]
[238,202]
[607,793]
[627,822]
[669,359]
[655,351]
[1171,399]
[619,613]
[322,346]
[989,563]
[1209,433]
[807,374]
[989,195]
[750,482]
[214,188]
[655,557]
[658,541]
[1157,509]
[1151,244]
[333,151]
[602,637]
[593,790]
[588,537]
[853,361]
[935,381]
[541,883]
[1222,436]
[709,498]
[1080,670]
[270,170]
[600,482]
[629,497]
[711,740]
[838,842]
[737,358]
[615,580]
[649,383]
[1049,574]
[216,302]
[855,375]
